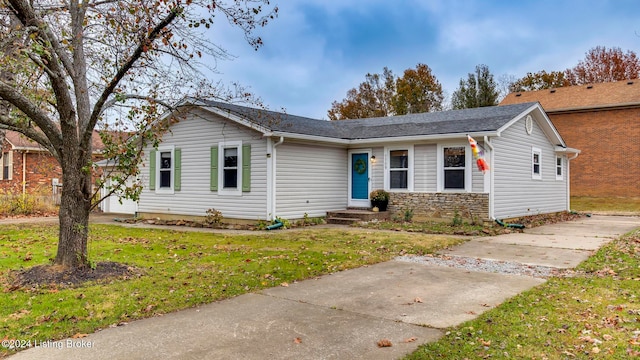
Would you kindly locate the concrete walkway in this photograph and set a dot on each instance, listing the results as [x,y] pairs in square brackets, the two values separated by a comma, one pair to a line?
[344,315]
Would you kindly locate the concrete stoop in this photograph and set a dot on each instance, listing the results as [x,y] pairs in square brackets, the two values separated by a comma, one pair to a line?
[350,216]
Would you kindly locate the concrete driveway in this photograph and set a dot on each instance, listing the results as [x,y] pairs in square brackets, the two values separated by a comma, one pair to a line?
[344,315]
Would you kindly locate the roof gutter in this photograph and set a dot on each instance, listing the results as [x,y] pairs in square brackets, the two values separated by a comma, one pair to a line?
[568,151]
[381,139]
[593,107]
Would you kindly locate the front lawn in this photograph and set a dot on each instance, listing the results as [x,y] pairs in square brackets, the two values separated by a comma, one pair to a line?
[594,314]
[606,204]
[176,270]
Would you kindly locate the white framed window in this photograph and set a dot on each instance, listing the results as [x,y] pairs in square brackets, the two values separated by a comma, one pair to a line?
[7,166]
[454,167]
[230,168]
[559,165]
[399,168]
[536,163]
[165,177]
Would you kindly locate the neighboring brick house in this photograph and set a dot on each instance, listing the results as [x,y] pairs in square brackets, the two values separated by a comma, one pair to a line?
[602,120]
[29,168]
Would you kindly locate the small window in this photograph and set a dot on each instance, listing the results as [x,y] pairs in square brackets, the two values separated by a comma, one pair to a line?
[536,163]
[399,169]
[6,166]
[454,168]
[166,168]
[558,168]
[230,169]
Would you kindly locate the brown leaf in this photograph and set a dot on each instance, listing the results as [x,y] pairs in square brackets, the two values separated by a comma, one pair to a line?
[297,340]
[417,299]
[411,339]
[284,284]
[384,343]
[79,336]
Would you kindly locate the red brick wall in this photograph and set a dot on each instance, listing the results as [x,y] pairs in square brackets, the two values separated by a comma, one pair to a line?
[41,168]
[609,164]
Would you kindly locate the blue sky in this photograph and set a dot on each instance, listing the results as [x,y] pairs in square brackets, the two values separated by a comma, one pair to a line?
[316,50]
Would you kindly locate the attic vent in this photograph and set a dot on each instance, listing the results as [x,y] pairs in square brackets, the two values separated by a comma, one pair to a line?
[518,94]
[629,82]
[552,91]
[589,86]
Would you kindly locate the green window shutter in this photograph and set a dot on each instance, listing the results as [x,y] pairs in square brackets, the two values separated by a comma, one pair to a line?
[214,169]
[152,170]
[246,167]
[177,170]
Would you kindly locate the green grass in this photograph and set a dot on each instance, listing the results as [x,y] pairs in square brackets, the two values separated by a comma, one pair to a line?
[593,315]
[605,204]
[181,270]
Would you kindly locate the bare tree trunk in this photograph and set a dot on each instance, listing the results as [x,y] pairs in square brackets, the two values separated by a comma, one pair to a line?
[75,206]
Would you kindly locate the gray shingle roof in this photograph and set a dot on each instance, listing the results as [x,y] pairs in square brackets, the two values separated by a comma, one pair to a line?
[483,119]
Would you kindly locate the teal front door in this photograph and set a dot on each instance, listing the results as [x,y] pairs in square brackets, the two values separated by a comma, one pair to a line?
[360,179]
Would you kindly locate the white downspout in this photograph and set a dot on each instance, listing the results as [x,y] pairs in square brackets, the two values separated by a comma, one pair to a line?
[491,178]
[272,212]
[569,180]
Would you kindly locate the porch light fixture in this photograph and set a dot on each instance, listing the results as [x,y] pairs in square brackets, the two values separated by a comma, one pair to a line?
[373,159]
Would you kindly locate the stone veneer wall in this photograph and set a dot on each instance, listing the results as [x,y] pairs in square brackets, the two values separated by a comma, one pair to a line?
[440,205]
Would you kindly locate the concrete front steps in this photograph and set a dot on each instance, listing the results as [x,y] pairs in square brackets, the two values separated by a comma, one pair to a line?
[353,215]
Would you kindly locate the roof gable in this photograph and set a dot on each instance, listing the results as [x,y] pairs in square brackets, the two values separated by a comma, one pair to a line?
[601,95]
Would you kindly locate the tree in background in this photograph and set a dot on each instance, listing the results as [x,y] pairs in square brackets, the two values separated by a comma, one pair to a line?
[417,91]
[599,65]
[604,65]
[478,90]
[539,81]
[385,95]
[371,99]
[73,61]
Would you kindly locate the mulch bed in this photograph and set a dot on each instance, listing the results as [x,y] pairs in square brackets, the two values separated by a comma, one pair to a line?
[58,276]
[545,219]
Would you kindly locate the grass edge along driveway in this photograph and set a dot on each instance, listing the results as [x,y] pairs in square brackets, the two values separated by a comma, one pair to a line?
[593,313]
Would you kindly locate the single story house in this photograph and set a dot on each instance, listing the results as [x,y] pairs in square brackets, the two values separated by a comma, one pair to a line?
[256,164]
[603,120]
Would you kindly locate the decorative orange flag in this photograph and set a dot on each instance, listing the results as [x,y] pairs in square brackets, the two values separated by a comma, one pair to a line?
[482,164]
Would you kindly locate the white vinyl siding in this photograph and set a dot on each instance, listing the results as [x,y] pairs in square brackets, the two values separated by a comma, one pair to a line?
[515,192]
[310,179]
[425,169]
[377,169]
[195,135]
